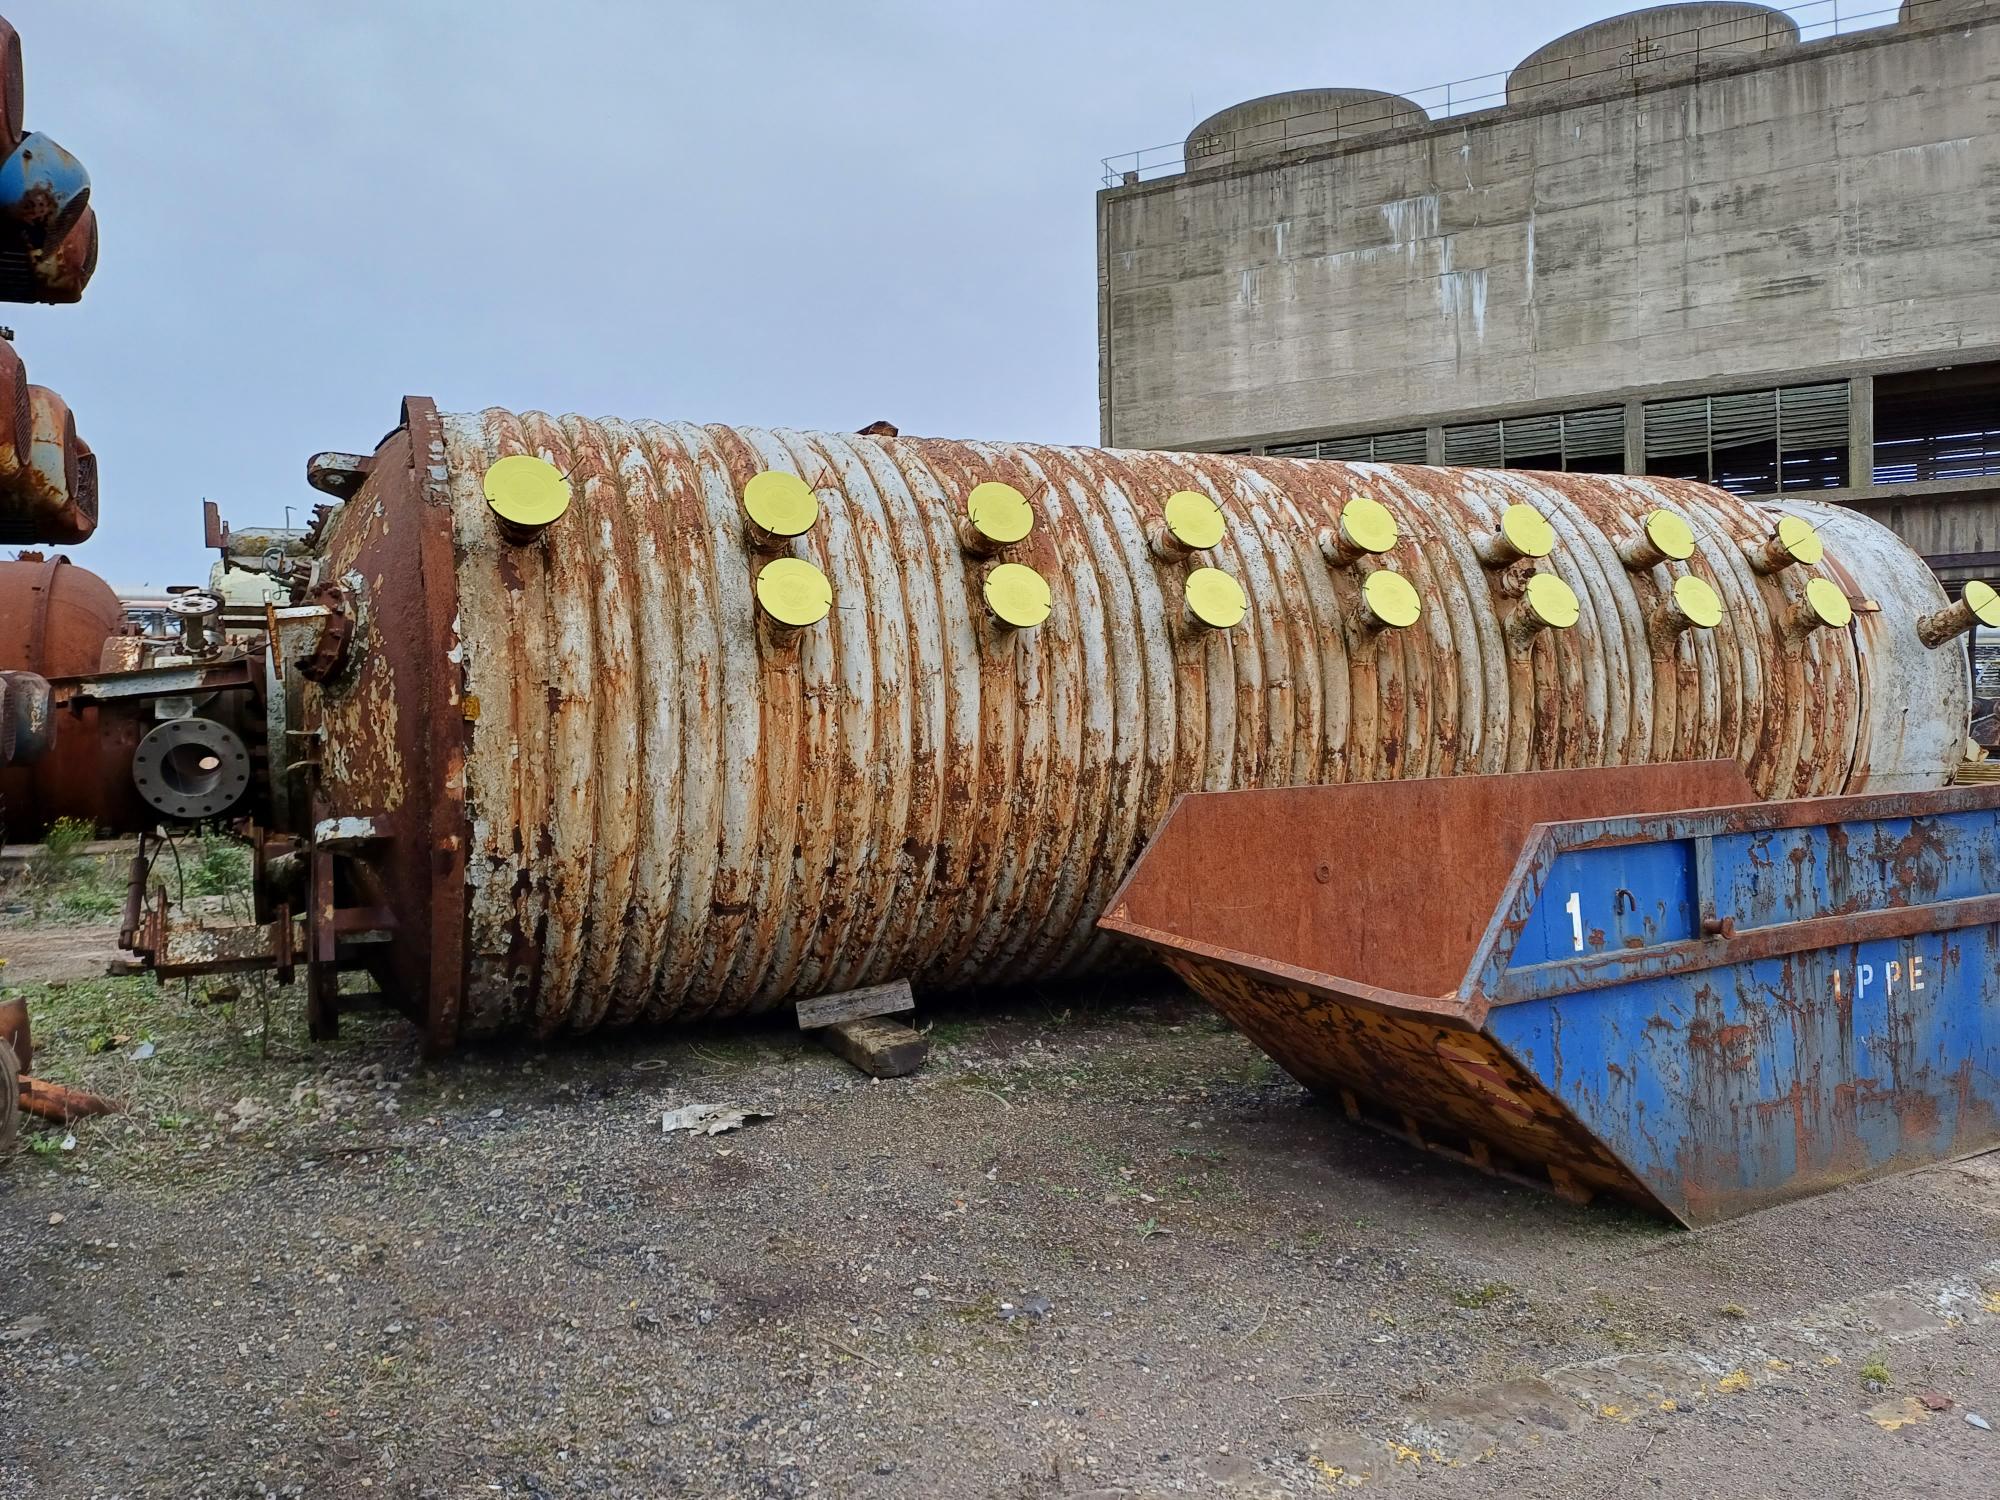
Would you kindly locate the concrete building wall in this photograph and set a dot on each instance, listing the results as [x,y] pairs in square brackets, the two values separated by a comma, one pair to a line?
[1819,211]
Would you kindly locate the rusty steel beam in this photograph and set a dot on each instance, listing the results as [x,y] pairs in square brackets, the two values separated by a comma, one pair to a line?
[176,680]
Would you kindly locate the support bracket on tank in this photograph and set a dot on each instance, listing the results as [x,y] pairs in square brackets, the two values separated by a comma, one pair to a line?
[176,948]
[338,474]
[315,637]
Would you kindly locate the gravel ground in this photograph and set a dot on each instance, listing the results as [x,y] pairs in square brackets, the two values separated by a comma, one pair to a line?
[1097,1247]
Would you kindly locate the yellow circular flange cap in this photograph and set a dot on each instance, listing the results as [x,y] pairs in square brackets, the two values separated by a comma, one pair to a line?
[1828,603]
[526,491]
[999,512]
[1800,541]
[1552,601]
[1017,595]
[794,592]
[1985,603]
[1216,599]
[1194,520]
[1527,531]
[1367,526]
[1697,602]
[1391,598]
[782,504]
[1670,535]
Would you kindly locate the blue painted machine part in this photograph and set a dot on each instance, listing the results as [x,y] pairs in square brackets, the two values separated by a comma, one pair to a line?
[43,190]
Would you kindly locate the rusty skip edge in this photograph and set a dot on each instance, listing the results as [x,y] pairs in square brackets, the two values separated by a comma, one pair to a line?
[1467,1004]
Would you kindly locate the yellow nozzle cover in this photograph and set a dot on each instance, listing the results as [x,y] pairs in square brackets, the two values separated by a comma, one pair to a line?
[794,592]
[526,491]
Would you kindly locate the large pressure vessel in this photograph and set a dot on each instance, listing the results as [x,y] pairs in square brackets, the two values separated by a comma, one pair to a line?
[54,621]
[648,721]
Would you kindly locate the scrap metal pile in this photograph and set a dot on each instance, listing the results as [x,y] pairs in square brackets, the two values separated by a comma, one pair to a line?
[565,724]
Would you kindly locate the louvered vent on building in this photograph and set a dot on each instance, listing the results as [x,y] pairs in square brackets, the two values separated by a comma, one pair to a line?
[1753,442]
[1532,442]
[1379,447]
[1474,446]
[1812,436]
[1402,447]
[1353,449]
[1937,424]
[1594,440]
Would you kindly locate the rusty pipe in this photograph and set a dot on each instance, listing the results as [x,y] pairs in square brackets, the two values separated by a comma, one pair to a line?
[59,1102]
[1978,605]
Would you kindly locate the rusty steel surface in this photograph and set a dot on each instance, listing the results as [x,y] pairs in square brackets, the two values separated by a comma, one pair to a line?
[50,494]
[1438,853]
[663,808]
[14,1031]
[1916,706]
[10,1099]
[1700,1011]
[61,1103]
[48,475]
[54,621]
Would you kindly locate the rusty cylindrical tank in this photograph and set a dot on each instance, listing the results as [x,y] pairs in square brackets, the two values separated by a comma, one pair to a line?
[54,620]
[628,763]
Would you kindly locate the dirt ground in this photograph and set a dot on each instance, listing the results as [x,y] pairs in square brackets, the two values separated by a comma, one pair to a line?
[1097,1247]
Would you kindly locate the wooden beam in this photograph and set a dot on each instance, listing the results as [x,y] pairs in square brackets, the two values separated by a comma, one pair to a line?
[853,1005]
[879,1048]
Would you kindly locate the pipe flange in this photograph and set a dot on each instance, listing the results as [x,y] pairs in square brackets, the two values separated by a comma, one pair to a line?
[336,635]
[191,769]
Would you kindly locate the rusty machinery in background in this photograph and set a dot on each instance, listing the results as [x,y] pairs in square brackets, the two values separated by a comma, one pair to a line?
[54,620]
[120,729]
[48,251]
[568,724]
[599,723]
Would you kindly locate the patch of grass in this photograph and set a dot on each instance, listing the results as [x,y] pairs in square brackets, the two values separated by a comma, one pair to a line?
[62,851]
[176,1104]
[1876,1371]
[220,867]
[62,884]
[953,1033]
[1257,1068]
[1484,1295]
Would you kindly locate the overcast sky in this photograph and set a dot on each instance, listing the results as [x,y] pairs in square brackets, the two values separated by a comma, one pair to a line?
[808,215]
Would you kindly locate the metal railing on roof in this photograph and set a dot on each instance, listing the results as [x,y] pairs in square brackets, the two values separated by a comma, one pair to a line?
[1680,54]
